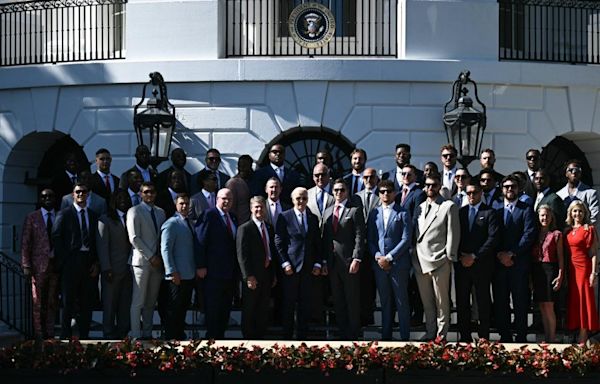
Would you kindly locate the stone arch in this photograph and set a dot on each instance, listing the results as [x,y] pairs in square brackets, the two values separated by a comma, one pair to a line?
[29,166]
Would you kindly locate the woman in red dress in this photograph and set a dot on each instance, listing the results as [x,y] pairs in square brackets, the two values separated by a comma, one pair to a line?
[581,243]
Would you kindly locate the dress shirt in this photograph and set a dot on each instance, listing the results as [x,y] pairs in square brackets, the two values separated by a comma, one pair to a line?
[111,182]
[359,183]
[275,210]
[539,197]
[133,196]
[210,197]
[87,223]
[173,193]
[145,172]
[72,176]
[531,174]
[448,178]
[476,207]
[386,217]
[122,217]
[279,171]
[342,206]
[45,214]
[259,225]
[301,217]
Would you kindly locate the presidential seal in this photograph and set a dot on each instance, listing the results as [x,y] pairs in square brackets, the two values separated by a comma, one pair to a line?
[311,25]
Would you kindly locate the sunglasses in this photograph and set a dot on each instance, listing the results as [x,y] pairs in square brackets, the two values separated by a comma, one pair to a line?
[447,155]
[81,192]
[531,158]
[384,191]
[337,190]
[302,198]
[430,185]
[461,177]
[574,170]
[509,186]
[213,159]
[368,176]
[319,175]
[406,173]
[149,192]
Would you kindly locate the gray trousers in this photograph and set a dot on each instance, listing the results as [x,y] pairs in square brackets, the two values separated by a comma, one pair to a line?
[146,284]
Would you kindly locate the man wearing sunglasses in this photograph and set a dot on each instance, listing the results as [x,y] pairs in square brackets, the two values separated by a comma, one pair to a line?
[575,189]
[448,157]
[534,162]
[74,239]
[212,161]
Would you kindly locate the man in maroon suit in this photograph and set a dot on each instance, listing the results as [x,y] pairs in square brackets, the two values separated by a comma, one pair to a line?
[37,259]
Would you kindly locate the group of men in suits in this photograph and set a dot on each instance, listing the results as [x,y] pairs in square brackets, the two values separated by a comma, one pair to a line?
[158,237]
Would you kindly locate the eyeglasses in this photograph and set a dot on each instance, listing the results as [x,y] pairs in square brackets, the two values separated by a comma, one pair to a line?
[574,170]
[213,158]
[81,192]
[447,155]
[368,176]
[509,186]
[319,175]
[384,191]
[430,185]
[149,192]
[337,190]
[406,173]
[484,180]
[531,158]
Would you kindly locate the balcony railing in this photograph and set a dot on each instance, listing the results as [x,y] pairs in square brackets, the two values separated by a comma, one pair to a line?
[260,28]
[37,32]
[550,30]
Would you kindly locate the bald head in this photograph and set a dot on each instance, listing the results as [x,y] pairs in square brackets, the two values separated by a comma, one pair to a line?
[224,199]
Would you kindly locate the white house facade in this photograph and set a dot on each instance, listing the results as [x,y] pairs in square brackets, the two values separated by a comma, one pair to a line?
[242,98]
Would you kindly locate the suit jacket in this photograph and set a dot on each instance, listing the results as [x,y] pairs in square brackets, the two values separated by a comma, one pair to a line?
[284,207]
[98,186]
[251,251]
[66,237]
[179,248]
[95,202]
[328,201]
[144,238]
[163,179]
[349,182]
[62,185]
[217,251]
[124,183]
[558,207]
[392,175]
[221,177]
[114,248]
[35,244]
[198,205]
[165,201]
[393,240]
[295,246]
[437,235]
[586,194]
[347,243]
[414,198]
[291,180]
[529,189]
[482,238]
[360,200]
[519,234]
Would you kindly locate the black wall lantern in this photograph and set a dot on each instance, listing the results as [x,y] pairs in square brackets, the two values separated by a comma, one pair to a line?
[464,124]
[154,126]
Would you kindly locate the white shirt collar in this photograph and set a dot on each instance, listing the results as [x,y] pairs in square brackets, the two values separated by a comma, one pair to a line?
[342,204]
[78,208]
[71,175]
[120,213]
[275,167]
[410,186]
[102,174]
[142,169]
[298,213]
[257,222]
[389,206]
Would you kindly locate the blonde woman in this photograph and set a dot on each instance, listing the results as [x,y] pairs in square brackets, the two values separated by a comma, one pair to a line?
[581,242]
[548,269]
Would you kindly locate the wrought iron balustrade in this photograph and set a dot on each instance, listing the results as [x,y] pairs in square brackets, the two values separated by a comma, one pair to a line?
[550,30]
[260,28]
[15,296]
[37,32]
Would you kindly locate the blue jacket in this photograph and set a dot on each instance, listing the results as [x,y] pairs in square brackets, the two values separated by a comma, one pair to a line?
[394,240]
[217,250]
[179,248]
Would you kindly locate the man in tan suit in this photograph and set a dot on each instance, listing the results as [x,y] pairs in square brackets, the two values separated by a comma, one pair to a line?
[437,237]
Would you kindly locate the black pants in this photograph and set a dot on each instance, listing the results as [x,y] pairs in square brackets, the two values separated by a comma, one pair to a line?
[178,303]
[345,288]
[218,295]
[75,291]
[296,290]
[255,309]
[464,280]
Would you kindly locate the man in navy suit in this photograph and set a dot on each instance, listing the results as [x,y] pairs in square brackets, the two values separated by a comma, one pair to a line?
[354,180]
[513,261]
[288,177]
[475,266]
[216,232]
[212,161]
[388,239]
[74,239]
[180,258]
[410,195]
[142,164]
[298,242]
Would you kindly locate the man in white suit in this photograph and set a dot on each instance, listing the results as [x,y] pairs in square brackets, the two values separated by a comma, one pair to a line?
[143,226]
[438,235]
[576,190]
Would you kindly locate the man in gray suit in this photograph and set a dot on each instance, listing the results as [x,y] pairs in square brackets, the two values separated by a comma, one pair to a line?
[438,235]
[181,259]
[320,196]
[344,229]
[576,190]
[114,251]
[143,226]
[206,198]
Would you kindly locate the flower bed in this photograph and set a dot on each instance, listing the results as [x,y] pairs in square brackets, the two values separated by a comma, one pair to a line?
[133,358]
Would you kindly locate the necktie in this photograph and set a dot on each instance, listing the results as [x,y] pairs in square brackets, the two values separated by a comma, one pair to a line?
[49,228]
[320,201]
[135,199]
[302,228]
[218,182]
[427,210]
[487,199]
[124,220]
[228,222]
[211,200]
[85,235]
[153,215]
[265,245]
[107,182]
[73,179]
[404,194]
[472,213]
[279,175]
[508,214]
[538,199]
[368,201]
[336,218]
[355,184]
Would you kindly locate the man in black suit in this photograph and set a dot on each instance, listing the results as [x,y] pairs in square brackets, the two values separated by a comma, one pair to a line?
[102,182]
[344,229]
[545,196]
[511,277]
[358,160]
[403,156]
[142,164]
[256,254]
[74,242]
[298,242]
[534,162]
[475,266]
[178,161]
[166,197]
[288,177]
[212,161]
[491,194]
[487,160]
[64,181]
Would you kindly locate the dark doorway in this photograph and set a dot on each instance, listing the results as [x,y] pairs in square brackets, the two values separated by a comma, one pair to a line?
[554,158]
[302,145]
[54,159]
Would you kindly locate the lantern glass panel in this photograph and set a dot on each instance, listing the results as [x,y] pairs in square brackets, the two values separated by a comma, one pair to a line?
[162,142]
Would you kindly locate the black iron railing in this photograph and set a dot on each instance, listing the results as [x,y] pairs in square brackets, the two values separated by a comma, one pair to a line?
[260,28]
[15,296]
[37,32]
[550,30]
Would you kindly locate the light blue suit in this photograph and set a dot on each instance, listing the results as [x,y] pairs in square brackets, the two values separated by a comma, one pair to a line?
[394,241]
[178,248]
